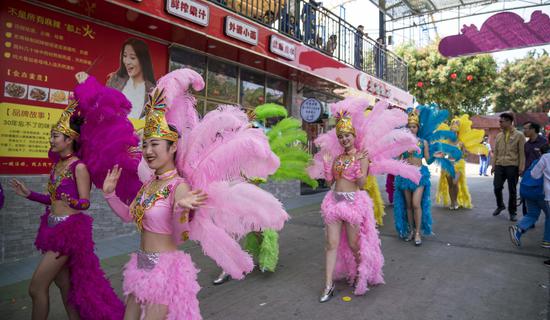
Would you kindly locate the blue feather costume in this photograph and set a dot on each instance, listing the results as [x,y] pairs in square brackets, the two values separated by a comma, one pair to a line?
[430,117]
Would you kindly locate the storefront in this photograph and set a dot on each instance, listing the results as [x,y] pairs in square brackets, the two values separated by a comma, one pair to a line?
[243,62]
[246,62]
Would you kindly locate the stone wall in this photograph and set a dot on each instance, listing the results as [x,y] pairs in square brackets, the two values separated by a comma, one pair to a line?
[19,219]
[283,189]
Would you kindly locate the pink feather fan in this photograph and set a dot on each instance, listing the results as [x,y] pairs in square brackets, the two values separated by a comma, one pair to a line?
[213,155]
[379,133]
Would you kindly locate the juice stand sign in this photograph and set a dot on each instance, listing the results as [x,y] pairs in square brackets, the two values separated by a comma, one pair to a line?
[42,50]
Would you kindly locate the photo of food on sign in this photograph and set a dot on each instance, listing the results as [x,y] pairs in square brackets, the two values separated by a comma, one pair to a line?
[59,96]
[15,90]
[38,93]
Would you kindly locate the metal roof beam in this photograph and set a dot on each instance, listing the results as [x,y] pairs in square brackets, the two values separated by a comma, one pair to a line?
[461,17]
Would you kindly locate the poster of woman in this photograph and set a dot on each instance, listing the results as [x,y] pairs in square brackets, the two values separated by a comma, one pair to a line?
[134,77]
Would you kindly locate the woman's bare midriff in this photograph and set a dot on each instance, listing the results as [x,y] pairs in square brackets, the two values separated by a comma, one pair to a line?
[417,162]
[61,208]
[344,185]
[156,242]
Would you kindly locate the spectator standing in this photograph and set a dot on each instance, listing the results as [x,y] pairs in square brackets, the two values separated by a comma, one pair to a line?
[309,18]
[508,163]
[380,57]
[535,141]
[541,169]
[484,160]
[331,44]
[358,56]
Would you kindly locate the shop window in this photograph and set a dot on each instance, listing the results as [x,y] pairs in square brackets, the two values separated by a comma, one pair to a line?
[252,89]
[276,91]
[200,106]
[181,58]
[222,81]
[211,105]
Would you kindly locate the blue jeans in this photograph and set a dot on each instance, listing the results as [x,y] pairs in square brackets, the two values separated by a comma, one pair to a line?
[483,164]
[534,207]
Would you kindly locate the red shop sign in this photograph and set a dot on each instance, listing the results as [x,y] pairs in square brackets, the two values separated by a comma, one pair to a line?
[283,48]
[189,10]
[240,30]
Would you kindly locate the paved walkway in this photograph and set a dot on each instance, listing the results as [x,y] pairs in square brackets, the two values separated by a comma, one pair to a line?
[467,270]
[21,270]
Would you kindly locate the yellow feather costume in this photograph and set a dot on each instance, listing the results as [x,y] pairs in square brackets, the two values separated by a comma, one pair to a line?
[372,188]
[469,140]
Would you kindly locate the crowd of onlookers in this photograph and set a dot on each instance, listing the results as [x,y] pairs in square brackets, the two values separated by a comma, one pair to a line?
[514,155]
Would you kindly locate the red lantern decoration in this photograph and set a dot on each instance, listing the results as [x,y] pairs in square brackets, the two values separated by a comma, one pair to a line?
[469,77]
[420,84]
[453,75]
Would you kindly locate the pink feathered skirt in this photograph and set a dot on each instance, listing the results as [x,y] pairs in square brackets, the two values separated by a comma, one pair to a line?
[355,209]
[91,293]
[166,278]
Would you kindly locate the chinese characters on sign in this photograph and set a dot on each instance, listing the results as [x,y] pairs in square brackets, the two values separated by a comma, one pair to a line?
[282,48]
[373,86]
[189,10]
[379,88]
[310,110]
[42,50]
[25,131]
[241,31]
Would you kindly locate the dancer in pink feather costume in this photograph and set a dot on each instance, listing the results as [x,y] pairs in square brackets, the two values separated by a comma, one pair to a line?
[184,159]
[65,232]
[353,247]
[357,147]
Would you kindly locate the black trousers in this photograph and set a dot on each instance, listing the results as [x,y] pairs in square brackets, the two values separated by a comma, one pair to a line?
[503,173]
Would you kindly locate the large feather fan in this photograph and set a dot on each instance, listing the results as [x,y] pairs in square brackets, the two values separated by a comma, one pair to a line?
[470,138]
[287,140]
[431,118]
[107,136]
[374,133]
[215,154]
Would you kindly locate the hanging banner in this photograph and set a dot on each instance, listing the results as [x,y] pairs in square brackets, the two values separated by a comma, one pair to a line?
[42,50]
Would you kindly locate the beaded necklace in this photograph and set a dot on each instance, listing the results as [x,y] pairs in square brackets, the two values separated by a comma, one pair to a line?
[55,181]
[149,194]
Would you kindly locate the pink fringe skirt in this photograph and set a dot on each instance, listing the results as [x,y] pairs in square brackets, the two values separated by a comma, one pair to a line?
[356,209]
[166,278]
[91,293]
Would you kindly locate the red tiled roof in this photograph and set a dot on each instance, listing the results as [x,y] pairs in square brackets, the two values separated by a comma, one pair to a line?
[485,122]
[491,121]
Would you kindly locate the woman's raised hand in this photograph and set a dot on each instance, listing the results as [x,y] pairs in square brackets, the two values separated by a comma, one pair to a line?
[81,76]
[20,188]
[111,180]
[362,155]
[193,199]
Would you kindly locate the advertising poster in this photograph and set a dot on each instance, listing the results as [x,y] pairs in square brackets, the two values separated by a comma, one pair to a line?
[42,50]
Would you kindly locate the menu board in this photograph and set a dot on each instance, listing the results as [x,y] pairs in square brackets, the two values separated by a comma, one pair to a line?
[42,50]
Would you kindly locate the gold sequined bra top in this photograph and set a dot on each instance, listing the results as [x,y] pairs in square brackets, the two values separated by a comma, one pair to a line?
[347,167]
[153,210]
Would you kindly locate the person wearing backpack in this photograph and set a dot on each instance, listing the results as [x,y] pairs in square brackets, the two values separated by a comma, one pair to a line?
[535,189]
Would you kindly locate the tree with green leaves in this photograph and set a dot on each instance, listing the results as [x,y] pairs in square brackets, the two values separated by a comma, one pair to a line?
[461,85]
[523,85]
